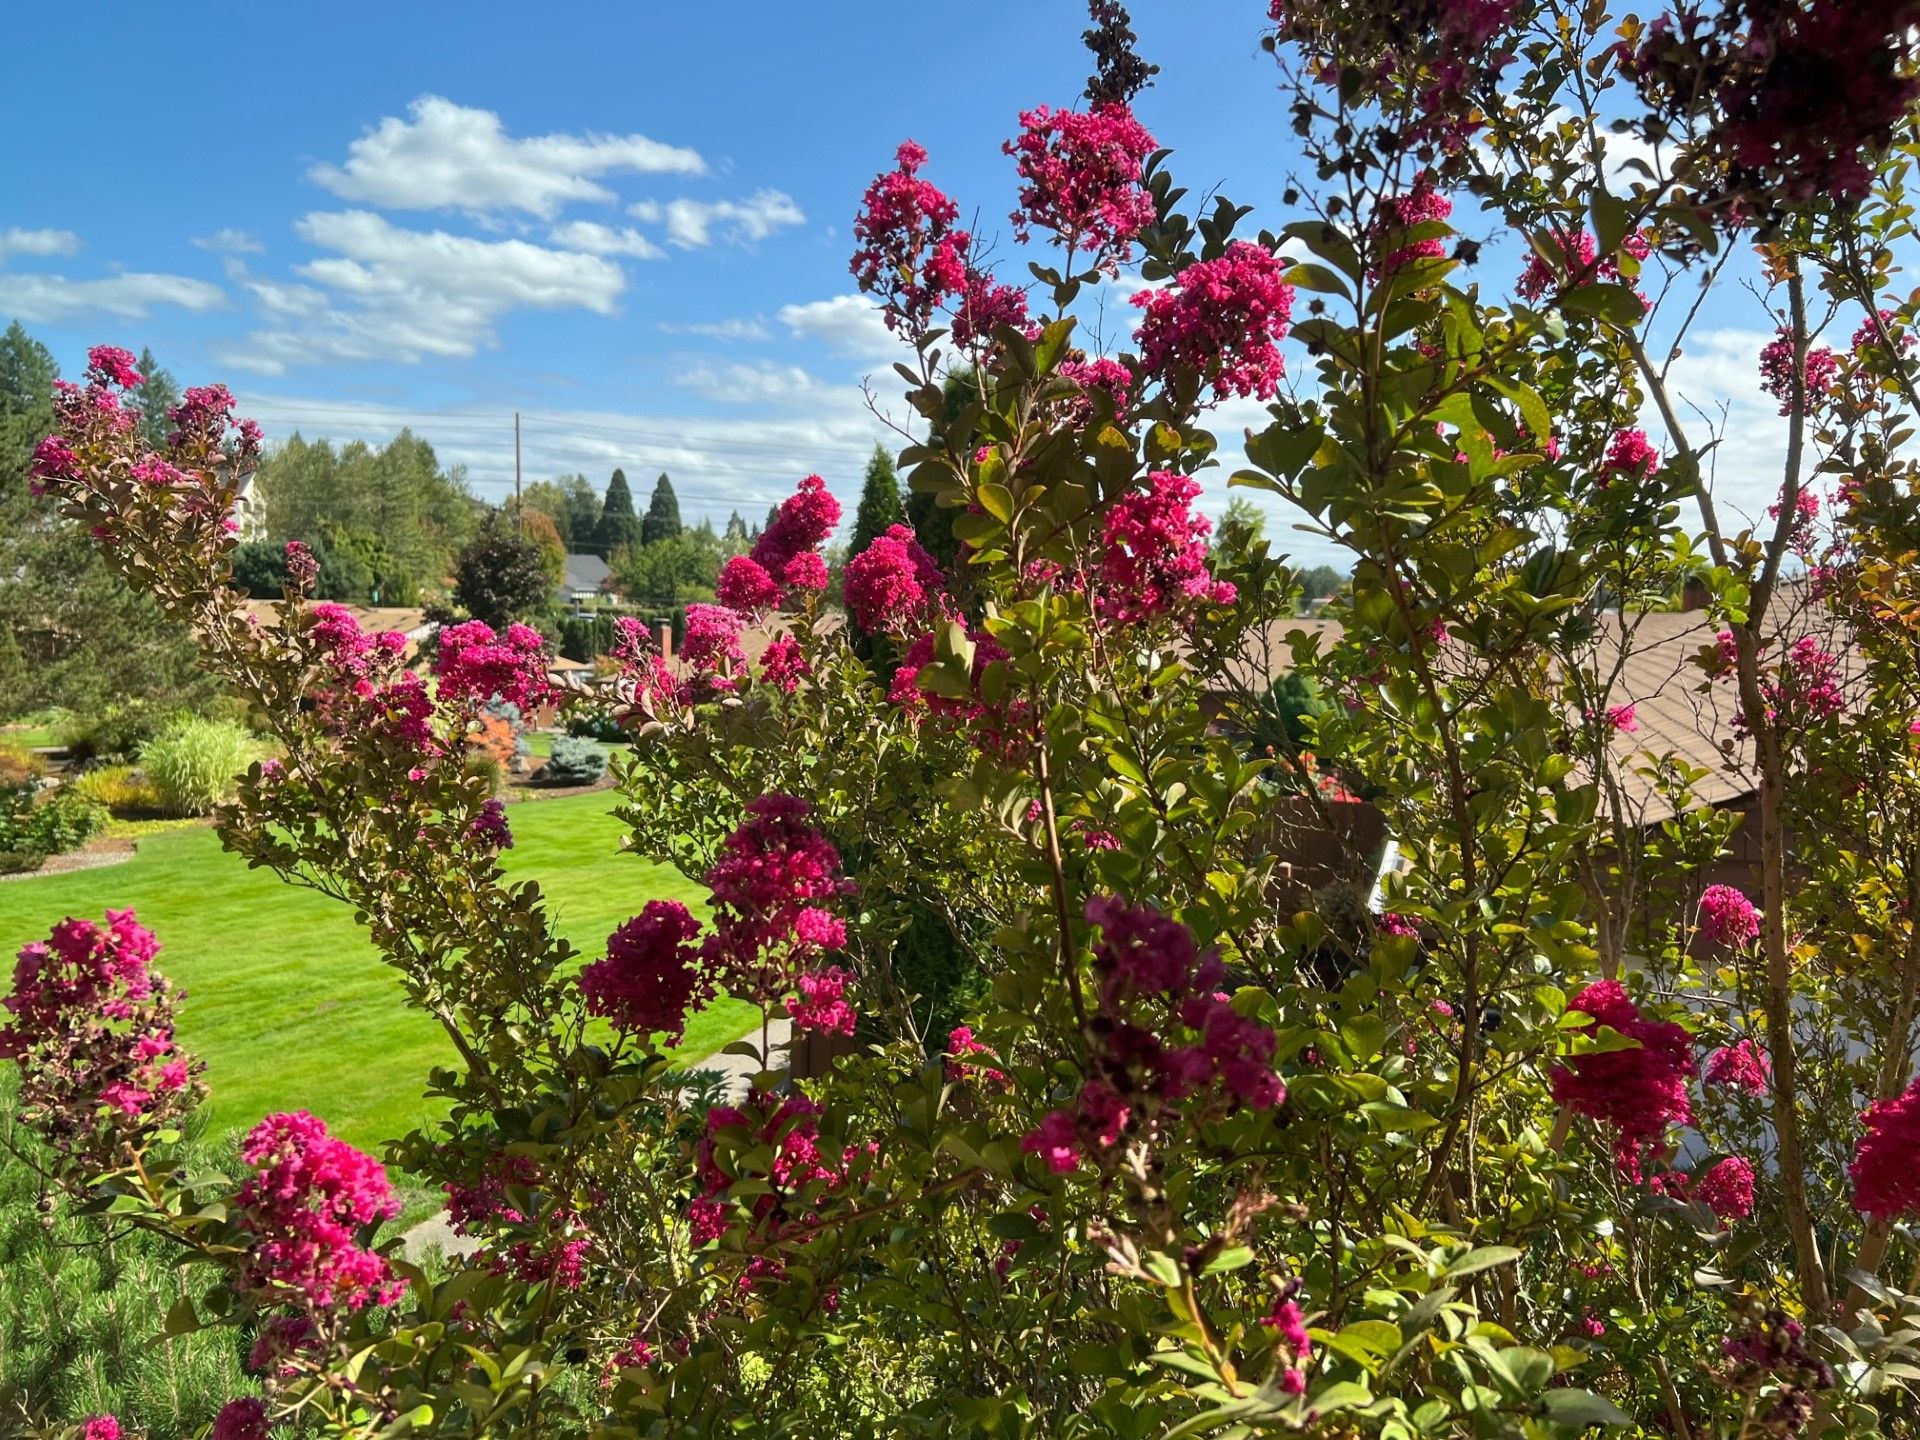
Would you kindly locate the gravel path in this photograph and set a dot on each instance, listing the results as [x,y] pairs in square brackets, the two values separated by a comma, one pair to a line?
[728,1075]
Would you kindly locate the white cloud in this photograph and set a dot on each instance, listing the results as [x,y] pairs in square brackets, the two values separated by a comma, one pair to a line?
[231,242]
[454,157]
[38,242]
[691,223]
[1716,389]
[847,323]
[51,299]
[389,293]
[749,383]
[598,239]
[718,329]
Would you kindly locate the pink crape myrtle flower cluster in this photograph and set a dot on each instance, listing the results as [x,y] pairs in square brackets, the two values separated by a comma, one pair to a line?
[1293,1346]
[1155,992]
[1630,456]
[1727,1188]
[1742,1066]
[801,1170]
[1080,177]
[475,664]
[910,253]
[821,1006]
[485,1206]
[651,977]
[1803,94]
[772,885]
[1155,561]
[1400,213]
[785,566]
[96,450]
[1571,259]
[894,587]
[242,1419]
[1886,1159]
[92,1034]
[783,664]
[364,686]
[982,306]
[1637,1093]
[1102,373]
[1224,318]
[1822,369]
[303,1208]
[1727,916]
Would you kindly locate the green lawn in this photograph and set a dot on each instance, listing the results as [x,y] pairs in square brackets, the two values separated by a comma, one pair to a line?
[288,1003]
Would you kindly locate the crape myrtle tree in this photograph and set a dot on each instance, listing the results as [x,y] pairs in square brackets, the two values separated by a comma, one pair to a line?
[1545,1134]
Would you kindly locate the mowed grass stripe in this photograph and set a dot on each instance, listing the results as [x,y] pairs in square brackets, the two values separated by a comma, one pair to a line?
[289,1004]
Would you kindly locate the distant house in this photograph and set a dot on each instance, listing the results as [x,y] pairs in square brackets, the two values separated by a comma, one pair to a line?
[585,579]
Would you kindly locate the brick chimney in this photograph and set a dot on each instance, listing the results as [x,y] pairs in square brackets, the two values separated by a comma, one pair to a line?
[663,638]
[1694,595]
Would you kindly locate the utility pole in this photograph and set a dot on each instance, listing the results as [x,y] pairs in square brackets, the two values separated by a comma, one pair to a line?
[519,524]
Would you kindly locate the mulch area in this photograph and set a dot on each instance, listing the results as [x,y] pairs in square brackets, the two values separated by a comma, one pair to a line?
[92,856]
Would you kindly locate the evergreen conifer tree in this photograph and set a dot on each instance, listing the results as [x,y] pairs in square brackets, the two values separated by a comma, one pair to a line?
[663,514]
[618,528]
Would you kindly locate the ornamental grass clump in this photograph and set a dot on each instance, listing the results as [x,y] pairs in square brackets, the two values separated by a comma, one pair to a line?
[195,765]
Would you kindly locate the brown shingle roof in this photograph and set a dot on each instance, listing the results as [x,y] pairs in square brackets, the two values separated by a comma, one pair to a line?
[1647,660]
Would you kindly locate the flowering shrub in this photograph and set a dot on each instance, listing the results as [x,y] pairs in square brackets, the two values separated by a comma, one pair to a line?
[1107,1124]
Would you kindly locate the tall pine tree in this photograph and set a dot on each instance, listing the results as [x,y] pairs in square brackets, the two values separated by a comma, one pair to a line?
[881,505]
[931,524]
[663,514]
[619,527]
[158,393]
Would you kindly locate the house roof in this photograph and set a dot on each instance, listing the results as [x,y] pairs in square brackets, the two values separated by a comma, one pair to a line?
[584,572]
[1647,660]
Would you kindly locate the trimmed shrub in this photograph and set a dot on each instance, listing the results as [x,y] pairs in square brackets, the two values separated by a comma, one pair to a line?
[597,725]
[195,763]
[573,762]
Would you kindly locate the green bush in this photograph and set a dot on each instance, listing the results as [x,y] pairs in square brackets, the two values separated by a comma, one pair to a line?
[573,762]
[121,731]
[121,788]
[66,822]
[194,763]
[31,830]
[79,1310]
[597,725]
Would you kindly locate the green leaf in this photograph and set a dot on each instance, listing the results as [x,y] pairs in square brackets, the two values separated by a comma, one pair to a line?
[1618,305]
[997,501]
[1486,1257]
[1232,1258]
[1308,276]
[1583,1407]
[181,1319]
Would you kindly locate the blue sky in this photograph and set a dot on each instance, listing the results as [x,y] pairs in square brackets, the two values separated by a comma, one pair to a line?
[629,223]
